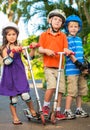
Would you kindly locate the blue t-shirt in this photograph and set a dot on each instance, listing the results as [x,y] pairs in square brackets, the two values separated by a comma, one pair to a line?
[74,44]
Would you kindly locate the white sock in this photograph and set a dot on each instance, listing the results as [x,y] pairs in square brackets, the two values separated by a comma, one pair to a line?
[46,104]
[78,108]
[67,110]
[58,108]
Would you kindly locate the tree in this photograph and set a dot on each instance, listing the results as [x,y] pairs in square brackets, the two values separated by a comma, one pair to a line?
[15,9]
[11,9]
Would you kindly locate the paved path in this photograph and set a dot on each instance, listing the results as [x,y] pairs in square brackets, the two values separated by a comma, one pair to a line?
[6,121]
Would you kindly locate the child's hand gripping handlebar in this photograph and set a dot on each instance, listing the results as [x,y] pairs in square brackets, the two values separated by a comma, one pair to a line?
[23,48]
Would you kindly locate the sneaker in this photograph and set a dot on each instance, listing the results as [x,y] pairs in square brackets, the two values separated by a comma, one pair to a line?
[60,116]
[45,110]
[81,113]
[69,115]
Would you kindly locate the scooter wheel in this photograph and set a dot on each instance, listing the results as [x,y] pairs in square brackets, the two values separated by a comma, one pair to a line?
[53,119]
[42,119]
[29,119]
[26,112]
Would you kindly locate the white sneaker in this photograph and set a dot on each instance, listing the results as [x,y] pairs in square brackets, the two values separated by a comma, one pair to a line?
[81,113]
[69,115]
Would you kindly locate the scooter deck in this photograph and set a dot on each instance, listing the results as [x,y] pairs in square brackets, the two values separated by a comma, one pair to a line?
[30,117]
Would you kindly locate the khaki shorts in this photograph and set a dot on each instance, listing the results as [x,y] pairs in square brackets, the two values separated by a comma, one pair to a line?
[76,85]
[51,79]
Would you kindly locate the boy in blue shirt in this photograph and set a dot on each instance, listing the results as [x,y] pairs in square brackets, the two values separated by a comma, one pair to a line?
[77,84]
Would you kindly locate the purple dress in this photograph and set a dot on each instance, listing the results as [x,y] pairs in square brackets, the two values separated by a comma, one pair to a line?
[14,80]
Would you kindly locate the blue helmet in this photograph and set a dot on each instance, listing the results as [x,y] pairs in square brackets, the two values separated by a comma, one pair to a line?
[73,18]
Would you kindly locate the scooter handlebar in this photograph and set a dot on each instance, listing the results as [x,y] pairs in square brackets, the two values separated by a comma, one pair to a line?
[58,53]
[72,53]
[31,47]
[13,51]
[19,50]
[23,48]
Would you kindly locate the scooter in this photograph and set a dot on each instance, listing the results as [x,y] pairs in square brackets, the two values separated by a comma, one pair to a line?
[53,114]
[26,111]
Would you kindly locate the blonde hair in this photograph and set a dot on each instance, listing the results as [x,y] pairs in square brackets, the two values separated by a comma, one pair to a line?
[73,22]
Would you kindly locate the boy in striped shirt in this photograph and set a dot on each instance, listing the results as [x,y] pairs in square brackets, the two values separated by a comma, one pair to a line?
[77,84]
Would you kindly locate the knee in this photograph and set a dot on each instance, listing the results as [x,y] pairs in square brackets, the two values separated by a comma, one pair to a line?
[26,97]
[14,100]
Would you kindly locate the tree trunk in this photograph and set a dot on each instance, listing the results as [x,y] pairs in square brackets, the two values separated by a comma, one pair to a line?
[86,13]
[9,11]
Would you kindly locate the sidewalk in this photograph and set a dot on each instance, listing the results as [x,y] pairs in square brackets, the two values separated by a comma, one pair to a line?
[6,121]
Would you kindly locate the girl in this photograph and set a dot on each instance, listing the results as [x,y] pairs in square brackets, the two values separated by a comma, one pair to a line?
[14,82]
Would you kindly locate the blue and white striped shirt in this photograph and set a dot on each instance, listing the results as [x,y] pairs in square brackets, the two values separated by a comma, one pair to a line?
[74,44]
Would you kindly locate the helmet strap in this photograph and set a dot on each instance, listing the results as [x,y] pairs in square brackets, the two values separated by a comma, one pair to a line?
[54,30]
